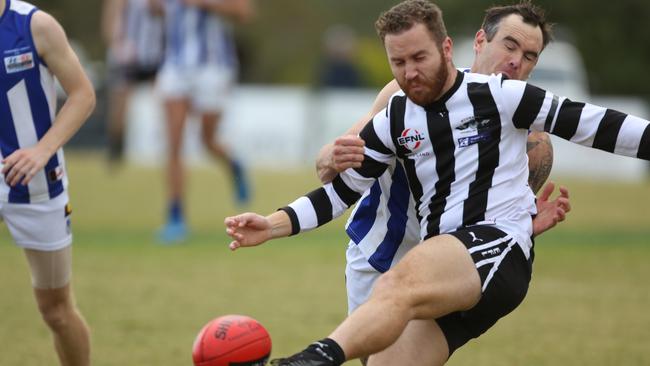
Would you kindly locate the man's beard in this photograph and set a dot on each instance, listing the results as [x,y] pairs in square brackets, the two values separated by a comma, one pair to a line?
[432,87]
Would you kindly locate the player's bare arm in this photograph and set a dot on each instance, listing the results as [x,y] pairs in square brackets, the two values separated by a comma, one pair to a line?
[540,159]
[53,47]
[347,150]
[239,10]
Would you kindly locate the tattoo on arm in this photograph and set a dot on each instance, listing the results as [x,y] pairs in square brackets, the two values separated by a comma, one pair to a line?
[540,168]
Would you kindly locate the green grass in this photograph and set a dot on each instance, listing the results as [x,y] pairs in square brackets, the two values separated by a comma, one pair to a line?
[145,302]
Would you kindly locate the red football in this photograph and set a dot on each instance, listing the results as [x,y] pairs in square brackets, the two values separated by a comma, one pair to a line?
[232,340]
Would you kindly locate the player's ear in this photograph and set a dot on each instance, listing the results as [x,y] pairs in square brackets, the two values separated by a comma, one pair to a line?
[448,49]
[479,40]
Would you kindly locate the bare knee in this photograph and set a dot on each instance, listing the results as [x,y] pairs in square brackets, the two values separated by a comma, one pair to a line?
[57,316]
[392,287]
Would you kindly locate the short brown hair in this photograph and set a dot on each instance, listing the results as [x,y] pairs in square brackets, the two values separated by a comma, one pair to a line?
[406,14]
[531,14]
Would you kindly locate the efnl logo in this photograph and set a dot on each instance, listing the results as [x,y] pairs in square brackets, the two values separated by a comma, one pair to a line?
[19,63]
[410,139]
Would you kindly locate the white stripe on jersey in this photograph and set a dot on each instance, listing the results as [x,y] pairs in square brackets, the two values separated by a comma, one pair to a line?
[49,88]
[26,134]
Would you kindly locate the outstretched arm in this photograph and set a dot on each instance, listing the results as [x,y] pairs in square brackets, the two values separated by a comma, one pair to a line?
[347,150]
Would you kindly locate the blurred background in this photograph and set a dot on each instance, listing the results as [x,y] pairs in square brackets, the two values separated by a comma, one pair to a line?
[309,69]
[313,67]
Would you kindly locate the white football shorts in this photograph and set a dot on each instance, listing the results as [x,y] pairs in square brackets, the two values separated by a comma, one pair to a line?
[208,87]
[360,277]
[43,226]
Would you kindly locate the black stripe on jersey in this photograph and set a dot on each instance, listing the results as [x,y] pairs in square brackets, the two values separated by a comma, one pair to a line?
[397,111]
[322,205]
[293,218]
[488,152]
[398,108]
[529,107]
[443,147]
[644,145]
[567,119]
[608,129]
[551,114]
[371,139]
[371,168]
[348,195]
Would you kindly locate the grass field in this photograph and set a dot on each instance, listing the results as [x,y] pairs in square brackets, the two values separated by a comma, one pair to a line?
[145,302]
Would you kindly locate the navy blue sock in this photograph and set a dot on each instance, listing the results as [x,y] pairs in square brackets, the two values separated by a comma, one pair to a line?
[175,211]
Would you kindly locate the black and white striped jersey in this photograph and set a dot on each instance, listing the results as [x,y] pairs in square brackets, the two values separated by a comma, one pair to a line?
[465,154]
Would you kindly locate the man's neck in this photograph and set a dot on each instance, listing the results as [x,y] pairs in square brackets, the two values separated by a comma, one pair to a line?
[3,4]
[451,80]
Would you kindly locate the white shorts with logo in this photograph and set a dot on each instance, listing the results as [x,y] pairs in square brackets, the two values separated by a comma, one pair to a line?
[208,87]
[41,226]
[360,277]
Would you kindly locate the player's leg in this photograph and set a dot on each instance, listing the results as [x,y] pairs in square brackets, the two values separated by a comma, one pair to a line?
[56,303]
[43,230]
[422,343]
[176,111]
[173,85]
[211,97]
[435,278]
[119,91]
[433,281]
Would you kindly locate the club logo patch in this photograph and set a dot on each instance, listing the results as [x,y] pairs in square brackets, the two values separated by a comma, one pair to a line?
[471,140]
[410,139]
[18,63]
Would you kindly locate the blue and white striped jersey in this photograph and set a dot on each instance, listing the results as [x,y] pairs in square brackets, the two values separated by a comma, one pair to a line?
[383,224]
[465,154]
[197,37]
[140,37]
[27,104]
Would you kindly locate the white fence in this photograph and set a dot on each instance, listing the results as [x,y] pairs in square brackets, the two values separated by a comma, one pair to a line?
[284,127]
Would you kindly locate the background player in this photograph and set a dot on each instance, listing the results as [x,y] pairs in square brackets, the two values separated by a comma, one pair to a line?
[33,191]
[197,75]
[133,33]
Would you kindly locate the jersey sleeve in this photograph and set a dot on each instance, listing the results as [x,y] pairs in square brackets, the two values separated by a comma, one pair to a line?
[331,200]
[582,123]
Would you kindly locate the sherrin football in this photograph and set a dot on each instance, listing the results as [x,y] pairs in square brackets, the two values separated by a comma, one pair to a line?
[232,340]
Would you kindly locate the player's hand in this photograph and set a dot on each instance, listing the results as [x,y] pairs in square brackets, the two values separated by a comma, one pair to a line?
[549,213]
[23,164]
[247,230]
[347,152]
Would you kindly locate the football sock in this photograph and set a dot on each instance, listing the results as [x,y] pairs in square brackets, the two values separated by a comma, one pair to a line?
[176,211]
[327,349]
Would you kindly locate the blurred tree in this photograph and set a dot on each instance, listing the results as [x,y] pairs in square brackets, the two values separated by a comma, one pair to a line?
[283,44]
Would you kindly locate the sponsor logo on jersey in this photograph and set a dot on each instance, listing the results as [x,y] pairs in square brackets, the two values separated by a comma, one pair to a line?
[18,63]
[410,139]
[471,140]
[472,124]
